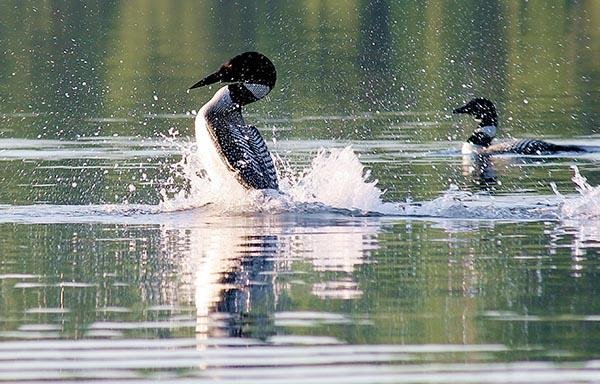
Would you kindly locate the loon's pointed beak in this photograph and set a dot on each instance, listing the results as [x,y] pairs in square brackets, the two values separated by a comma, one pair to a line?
[210,79]
[462,109]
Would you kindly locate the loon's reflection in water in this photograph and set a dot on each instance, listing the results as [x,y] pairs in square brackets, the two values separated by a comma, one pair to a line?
[481,169]
[231,267]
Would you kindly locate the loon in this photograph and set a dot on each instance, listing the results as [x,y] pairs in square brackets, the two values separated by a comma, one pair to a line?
[480,142]
[230,149]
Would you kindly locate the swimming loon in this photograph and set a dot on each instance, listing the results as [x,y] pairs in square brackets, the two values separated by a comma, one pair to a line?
[230,149]
[480,142]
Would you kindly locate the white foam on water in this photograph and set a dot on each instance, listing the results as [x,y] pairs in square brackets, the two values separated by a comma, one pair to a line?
[456,204]
[586,206]
[336,179]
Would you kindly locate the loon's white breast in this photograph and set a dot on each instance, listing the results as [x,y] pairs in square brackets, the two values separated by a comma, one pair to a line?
[470,148]
[217,170]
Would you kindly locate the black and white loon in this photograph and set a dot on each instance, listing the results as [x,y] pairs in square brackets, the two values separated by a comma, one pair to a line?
[231,151]
[480,142]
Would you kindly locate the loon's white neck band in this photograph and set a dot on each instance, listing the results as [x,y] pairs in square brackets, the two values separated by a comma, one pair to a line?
[258,90]
[489,130]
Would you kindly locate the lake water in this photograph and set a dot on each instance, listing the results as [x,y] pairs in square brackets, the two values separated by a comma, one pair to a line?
[119,263]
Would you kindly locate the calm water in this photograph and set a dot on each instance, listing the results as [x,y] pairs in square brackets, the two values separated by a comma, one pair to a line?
[112,268]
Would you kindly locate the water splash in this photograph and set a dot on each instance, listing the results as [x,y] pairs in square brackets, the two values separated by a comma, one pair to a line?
[336,179]
[585,206]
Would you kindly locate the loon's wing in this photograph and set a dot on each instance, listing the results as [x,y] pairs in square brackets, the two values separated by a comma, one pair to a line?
[245,151]
[531,147]
[256,167]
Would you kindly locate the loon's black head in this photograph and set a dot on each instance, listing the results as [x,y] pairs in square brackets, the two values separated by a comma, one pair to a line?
[482,110]
[251,76]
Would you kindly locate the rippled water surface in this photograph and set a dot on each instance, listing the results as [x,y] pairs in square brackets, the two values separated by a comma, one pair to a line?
[390,258]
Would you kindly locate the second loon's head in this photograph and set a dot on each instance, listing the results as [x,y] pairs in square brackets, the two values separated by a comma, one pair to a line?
[251,76]
[484,112]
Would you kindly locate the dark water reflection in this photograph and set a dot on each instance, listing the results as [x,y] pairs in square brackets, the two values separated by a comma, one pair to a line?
[298,292]
[383,282]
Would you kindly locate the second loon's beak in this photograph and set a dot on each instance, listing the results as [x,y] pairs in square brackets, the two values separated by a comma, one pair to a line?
[210,79]
[462,109]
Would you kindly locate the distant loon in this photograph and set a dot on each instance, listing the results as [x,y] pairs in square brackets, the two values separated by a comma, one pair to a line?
[230,149]
[480,142]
